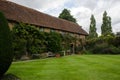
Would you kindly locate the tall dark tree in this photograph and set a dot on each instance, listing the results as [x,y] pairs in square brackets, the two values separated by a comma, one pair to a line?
[92,30]
[106,27]
[6,51]
[67,16]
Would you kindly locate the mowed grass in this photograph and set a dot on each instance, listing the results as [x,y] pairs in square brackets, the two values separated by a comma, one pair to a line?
[75,67]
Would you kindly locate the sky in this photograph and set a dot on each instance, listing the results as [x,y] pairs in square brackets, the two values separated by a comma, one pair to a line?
[80,9]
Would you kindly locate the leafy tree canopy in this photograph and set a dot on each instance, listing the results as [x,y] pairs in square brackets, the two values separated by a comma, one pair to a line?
[67,16]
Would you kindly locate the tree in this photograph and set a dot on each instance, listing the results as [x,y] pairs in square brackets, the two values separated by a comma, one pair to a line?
[6,51]
[118,34]
[106,27]
[67,16]
[92,30]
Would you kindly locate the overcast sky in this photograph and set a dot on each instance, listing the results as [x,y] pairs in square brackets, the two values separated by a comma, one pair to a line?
[80,9]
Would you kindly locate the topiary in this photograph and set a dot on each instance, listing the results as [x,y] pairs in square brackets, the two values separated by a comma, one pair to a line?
[6,52]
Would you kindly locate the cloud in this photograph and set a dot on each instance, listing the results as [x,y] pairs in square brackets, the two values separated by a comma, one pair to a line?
[85,8]
[80,9]
[82,14]
[52,7]
[41,4]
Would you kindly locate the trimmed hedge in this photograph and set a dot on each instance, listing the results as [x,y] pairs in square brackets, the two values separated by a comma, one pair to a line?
[6,53]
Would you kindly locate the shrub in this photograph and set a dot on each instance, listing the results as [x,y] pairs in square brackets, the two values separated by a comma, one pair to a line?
[6,52]
[19,47]
[78,49]
[116,42]
[27,39]
[115,50]
[66,40]
[104,45]
[54,42]
[100,48]
[86,52]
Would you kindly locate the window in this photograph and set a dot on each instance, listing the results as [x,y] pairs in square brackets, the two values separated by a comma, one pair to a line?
[42,29]
[52,30]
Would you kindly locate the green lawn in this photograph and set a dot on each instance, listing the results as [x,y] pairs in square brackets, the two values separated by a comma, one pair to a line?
[75,67]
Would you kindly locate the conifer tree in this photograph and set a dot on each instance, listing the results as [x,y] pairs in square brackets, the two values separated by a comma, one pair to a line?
[106,28]
[92,30]
[6,52]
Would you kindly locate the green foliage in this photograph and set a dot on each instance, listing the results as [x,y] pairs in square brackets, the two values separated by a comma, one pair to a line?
[54,43]
[115,50]
[92,30]
[67,16]
[37,47]
[104,45]
[66,40]
[104,48]
[116,42]
[78,49]
[106,27]
[19,46]
[30,39]
[118,34]
[6,52]
[101,49]
[86,52]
